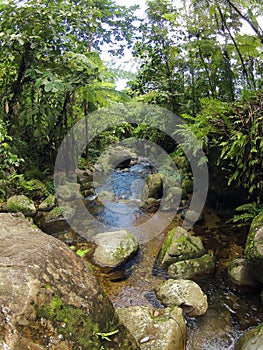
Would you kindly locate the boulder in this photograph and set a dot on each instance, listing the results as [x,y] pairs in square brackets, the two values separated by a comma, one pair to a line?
[155,329]
[254,248]
[48,203]
[21,203]
[153,187]
[184,293]
[68,191]
[239,273]
[114,248]
[251,339]
[193,268]
[48,296]
[179,245]
[172,198]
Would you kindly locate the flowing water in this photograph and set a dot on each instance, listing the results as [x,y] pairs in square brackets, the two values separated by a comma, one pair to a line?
[230,313]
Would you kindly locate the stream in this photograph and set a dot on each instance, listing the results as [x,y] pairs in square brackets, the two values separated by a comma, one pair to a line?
[230,312]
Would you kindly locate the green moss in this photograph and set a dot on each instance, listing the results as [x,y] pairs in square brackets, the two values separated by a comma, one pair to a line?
[166,244]
[74,324]
[21,204]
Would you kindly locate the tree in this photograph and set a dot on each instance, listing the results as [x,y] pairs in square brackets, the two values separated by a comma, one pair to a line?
[50,64]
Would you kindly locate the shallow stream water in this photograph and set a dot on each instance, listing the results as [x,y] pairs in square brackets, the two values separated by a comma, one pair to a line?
[229,314]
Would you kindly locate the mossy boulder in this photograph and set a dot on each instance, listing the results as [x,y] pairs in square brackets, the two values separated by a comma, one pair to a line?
[153,187]
[240,275]
[254,248]
[49,299]
[155,329]
[180,245]
[21,203]
[251,339]
[185,294]
[68,191]
[48,203]
[34,189]
[193,269]
[114,248]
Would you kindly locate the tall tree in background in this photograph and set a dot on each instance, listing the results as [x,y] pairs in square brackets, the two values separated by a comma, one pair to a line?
[197,50]
[50,57]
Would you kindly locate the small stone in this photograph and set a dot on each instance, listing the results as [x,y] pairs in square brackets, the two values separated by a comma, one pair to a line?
[185,294]
[114,248]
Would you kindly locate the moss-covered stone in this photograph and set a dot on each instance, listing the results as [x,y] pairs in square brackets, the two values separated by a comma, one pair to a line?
[48,203]
[251,339]
[21,203]
[68,191]
[180,245]
[254,248]
[153,187]
[114,248]
[193,268]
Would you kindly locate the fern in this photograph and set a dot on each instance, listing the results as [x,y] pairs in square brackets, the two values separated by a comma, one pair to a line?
[247,212]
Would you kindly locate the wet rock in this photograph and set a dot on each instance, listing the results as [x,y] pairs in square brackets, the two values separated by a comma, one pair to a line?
[106,196]
[151,205]
[68,191]
[240,275]
[153,187]
[115,157]
[48,296]
[155,329]
[55,221]
[48,203]
[254,248]
[180,245]
[197,268]
[184,293]
[192,217]
[21,203]
[173,197]
[251,340]
[114,248]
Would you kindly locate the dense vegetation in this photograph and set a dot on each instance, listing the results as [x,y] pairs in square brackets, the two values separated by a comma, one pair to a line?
[195,59]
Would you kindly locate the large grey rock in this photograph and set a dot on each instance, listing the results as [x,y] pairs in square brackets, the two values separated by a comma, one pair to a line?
[114,248]
[180,245]
[184,293]
[251,340]
[49,299]
[21,203]
[239,273]
[193,268]
[254,248]
[155,329]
